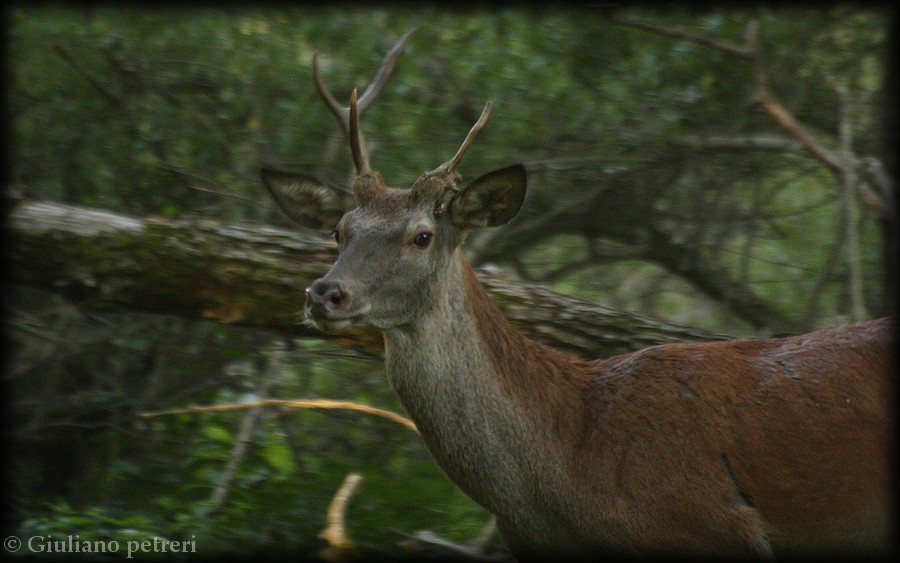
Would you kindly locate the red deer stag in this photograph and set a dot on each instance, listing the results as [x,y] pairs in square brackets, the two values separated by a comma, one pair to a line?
[751,447]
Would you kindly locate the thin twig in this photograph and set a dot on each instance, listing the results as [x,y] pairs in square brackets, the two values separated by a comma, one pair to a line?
[848,188]
[678,33]
[335,532]
[245,433]
[92,79]
[291,403]
[773,107]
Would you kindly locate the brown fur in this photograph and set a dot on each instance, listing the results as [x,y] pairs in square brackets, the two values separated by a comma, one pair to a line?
[740,447]
[737,447]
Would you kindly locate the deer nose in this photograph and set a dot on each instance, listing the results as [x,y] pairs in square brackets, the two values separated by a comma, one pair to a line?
[324,297]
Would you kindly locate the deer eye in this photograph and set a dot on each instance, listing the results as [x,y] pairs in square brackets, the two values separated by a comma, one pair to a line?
[423,239]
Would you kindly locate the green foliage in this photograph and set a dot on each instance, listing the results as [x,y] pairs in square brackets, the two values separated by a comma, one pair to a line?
[93,533]
[108,475]
[164,112]
[138,110]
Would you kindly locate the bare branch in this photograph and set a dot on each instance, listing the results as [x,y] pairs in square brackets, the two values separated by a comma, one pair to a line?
[678,33]
[824,275]
[110,96]
[782,117]
[245,433]
[766,100]
[848,188]
[335,532]
[751,142]
[290,403]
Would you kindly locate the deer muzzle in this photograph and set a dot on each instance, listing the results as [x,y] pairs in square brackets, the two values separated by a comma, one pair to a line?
[330,305]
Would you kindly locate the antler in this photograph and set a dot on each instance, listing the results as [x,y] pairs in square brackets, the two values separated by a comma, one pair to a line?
[348,117]
[450,165]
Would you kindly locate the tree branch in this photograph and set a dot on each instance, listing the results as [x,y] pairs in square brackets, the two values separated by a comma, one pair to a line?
[766,100]
[110,96]
[750,142]
[254,275]
[245,434]
[290,403]
[678,33]
[340,546]
[848,188]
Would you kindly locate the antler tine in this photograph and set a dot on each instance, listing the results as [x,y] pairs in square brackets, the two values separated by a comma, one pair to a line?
[348,117]
[384,71]
[473,132]
[357,143]
[341,113]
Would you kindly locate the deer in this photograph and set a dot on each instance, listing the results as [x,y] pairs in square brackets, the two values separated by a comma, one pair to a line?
[759,447]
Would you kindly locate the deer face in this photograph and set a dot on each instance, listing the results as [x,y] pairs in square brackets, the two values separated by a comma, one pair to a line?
[395,246]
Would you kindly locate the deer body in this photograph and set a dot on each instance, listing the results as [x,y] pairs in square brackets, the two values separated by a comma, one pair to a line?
[703,448]
[753,447]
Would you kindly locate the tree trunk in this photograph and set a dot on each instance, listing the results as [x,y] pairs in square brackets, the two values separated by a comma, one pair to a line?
[254,275]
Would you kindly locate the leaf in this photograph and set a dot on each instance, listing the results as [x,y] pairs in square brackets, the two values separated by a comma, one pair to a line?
[218,433]
[278,455]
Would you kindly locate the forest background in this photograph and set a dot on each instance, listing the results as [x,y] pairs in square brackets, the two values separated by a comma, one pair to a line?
[692,173]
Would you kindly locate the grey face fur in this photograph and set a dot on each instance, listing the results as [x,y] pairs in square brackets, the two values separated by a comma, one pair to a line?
[393,243]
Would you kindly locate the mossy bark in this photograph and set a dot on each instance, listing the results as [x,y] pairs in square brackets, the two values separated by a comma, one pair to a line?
[254,275]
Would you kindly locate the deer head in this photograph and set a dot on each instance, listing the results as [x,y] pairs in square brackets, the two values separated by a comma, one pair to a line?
[393,243]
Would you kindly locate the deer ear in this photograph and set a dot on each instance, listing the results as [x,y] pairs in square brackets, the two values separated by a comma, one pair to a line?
[491,200]
[307,201]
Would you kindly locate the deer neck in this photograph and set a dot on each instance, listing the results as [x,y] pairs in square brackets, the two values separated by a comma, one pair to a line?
[488,402]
